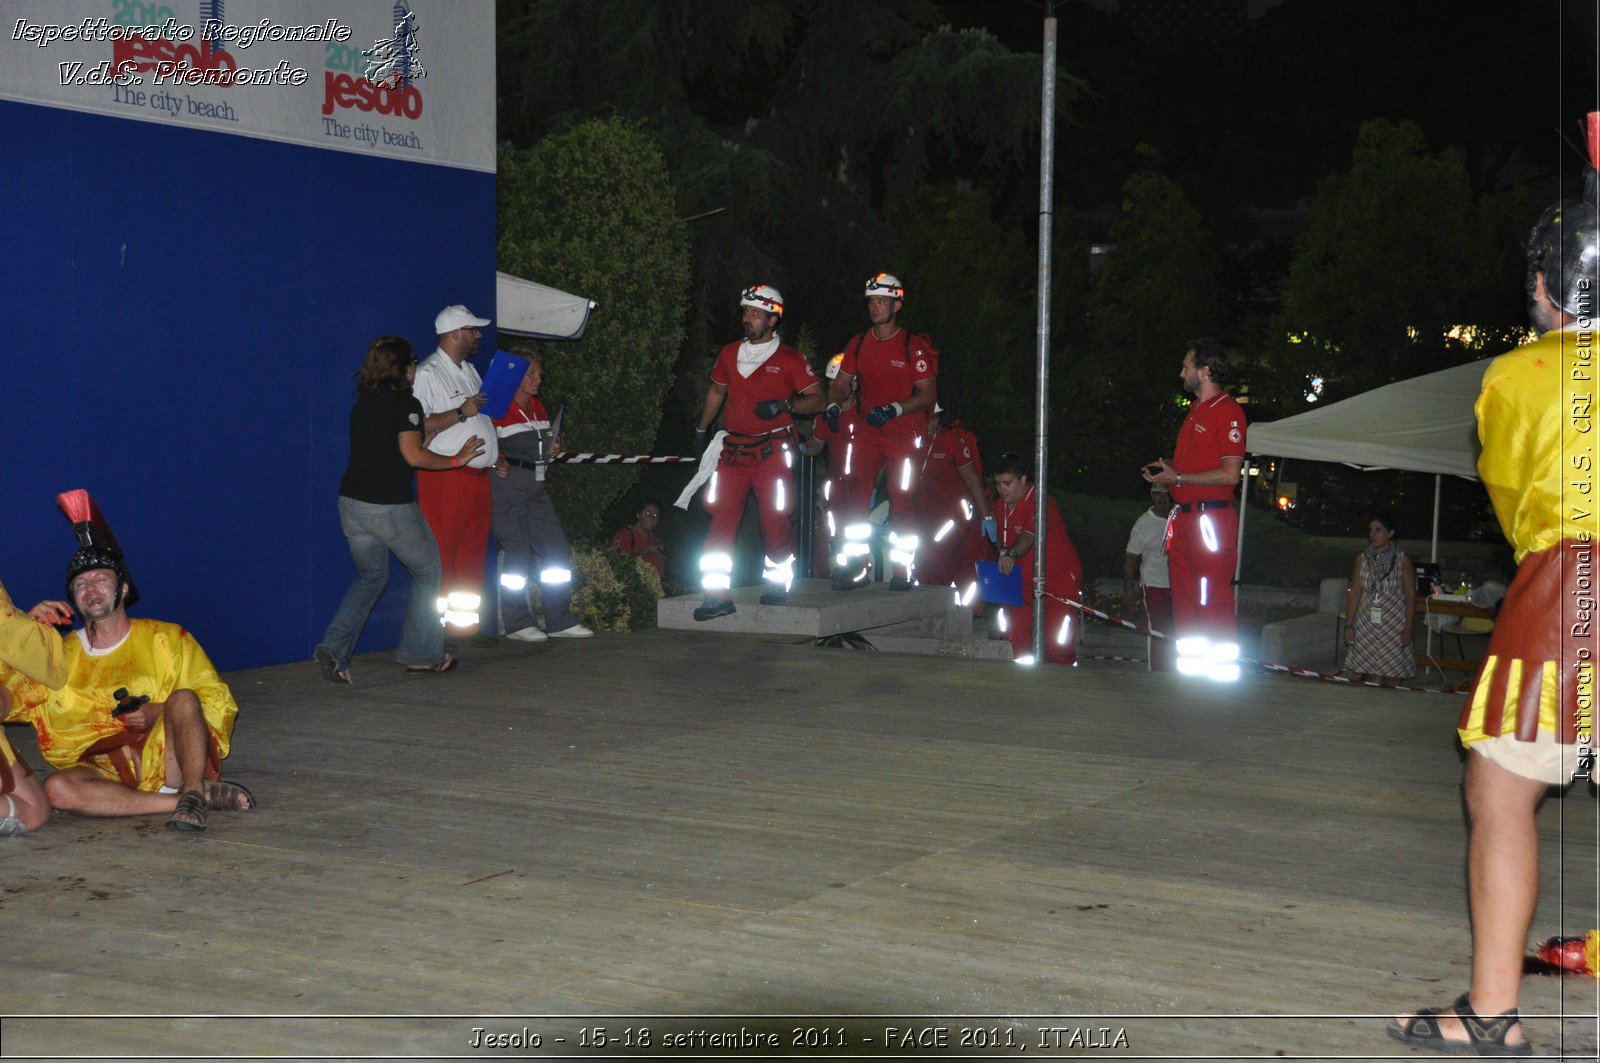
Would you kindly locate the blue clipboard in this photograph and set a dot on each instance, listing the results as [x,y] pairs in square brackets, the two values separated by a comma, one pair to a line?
[998,589]
[501,384]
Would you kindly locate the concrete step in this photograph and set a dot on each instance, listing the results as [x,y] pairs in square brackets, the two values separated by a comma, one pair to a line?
[976,648]
[815,609]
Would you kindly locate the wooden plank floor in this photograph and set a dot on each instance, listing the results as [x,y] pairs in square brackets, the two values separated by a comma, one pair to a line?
[679,824]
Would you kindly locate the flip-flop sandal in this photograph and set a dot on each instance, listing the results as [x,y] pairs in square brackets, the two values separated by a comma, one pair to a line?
[228,797]
[330,667]
[443,666]
[1485,1037]
[190,813]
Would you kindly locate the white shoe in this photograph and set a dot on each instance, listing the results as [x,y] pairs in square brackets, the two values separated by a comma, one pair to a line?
[528,634]
[576,631]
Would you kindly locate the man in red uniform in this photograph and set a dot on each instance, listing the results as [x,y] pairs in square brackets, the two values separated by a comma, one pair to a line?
[841,451]
[1202,544]
[896,372]
[764,383]
[1063,572]
[952,506]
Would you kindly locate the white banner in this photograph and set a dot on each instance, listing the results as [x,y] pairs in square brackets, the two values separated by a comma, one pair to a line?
[405,79]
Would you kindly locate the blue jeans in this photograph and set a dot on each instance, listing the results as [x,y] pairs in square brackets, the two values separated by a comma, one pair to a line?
[374,531]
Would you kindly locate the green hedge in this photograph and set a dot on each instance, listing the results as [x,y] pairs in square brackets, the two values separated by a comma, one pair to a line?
[592,211]
[613,591]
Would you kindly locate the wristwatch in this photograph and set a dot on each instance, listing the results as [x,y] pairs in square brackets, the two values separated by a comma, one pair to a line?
[461,415]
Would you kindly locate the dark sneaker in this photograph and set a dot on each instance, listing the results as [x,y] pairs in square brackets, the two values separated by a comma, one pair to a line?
[715,607]
[774,597]
[900,583]
[329,667]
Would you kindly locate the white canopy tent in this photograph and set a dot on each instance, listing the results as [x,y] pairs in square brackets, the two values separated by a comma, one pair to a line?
[524,308]
[1424,424]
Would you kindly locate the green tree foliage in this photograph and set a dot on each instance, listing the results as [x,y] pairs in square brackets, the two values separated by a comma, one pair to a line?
[974,296]
[790,127]
[1396,254]
[592,211]
[1120,396]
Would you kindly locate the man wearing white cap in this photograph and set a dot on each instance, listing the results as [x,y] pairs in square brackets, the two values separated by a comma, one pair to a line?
[897,374]
[456,501]
[764,383]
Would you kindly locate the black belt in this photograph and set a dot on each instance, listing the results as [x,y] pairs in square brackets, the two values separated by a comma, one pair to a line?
[519,463]
[1221,503]
[743,442]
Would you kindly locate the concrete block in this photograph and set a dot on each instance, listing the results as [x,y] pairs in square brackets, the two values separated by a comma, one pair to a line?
[814,609]
[1330,595]
[971,649]
[1302,642]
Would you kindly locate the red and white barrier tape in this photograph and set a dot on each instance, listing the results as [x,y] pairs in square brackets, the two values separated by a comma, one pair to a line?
[1304,673]
[567,458]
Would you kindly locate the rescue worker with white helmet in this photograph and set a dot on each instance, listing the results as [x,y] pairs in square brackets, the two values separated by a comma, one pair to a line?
[760,384]
[896,373]
[840,444]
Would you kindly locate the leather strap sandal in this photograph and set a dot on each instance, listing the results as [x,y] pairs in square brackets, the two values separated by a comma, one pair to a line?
[190,813]
[1485,1037]
[445,665]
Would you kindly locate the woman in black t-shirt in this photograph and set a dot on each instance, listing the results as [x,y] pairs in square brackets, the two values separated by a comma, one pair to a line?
[379,514]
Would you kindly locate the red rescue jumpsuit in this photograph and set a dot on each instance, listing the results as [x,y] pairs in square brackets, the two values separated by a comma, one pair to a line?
[756,456]
[886,371]
[1063,579]
[947,516]
[842,466]
[1202,546]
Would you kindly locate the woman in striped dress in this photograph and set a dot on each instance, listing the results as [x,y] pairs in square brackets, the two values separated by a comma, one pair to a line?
[1381,609]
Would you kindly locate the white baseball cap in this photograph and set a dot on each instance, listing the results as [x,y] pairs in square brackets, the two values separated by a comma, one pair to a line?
[454,317]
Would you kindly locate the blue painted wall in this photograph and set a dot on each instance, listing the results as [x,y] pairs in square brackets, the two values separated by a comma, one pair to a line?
[182,312]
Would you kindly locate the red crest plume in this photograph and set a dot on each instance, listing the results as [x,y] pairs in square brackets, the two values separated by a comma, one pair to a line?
[1594,139]
[88,523]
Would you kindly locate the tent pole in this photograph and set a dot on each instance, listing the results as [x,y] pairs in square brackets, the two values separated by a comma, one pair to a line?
[1238,543]
[1437,480]
[1041,446]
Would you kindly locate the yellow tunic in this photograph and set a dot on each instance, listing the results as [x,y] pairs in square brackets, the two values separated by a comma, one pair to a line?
[35,650]
[28,646]
[1539,440]
[155,659]
[1541,467]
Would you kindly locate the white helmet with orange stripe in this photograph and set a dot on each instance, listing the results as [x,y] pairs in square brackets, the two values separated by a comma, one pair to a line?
[762,297]
[886,284]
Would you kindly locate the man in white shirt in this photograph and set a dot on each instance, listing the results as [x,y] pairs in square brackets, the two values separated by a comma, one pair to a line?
[1145,562]
[456,501]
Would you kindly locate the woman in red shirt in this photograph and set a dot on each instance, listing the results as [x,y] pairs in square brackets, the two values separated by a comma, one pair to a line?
[639,538]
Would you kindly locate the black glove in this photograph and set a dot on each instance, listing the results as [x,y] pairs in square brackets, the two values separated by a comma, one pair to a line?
[831,415]
[700,435]
[767,409]
[882,415]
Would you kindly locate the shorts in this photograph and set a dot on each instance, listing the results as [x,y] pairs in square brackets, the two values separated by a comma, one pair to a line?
[1542,760]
